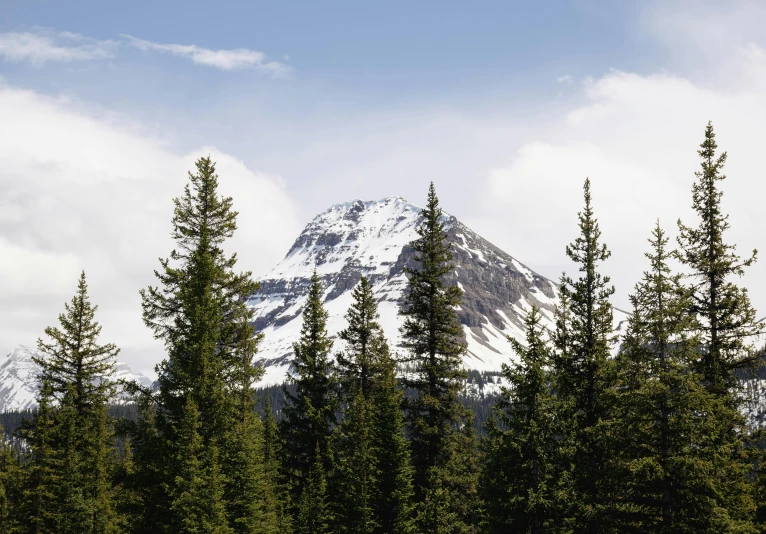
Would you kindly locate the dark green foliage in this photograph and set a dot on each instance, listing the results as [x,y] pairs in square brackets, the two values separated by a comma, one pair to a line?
[212,467]
[69,488]
[10,488]
[392,496]
[309,413]
[197,501]
[355,475]
[584,375]
[364,340]
[433,338]
[314,515]
[249,492]
[272,460]
[728,322]
[671,474]
[518,473]
[372,479]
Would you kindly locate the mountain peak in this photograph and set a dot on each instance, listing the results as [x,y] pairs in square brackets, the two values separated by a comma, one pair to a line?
[371,238]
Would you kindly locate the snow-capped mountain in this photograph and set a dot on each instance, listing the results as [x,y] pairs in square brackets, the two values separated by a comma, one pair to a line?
[18,379]
[371,238]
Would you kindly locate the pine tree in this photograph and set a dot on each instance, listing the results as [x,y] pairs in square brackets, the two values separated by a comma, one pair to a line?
[200,312]
[584,375]
[393,493]
[309,414]
[372,479]
[433,337]
[43,472]
[272,456]
[728,321]
[355,475]
[77,374]
[197,496]
[314,514]
[364,339]
[518,478]
[249,491]
[671,470]
[10,485]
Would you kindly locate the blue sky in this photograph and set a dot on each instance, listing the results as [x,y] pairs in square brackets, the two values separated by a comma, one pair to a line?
[506,106]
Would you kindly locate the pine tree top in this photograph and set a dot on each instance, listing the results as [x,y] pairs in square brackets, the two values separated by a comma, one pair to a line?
[72,360]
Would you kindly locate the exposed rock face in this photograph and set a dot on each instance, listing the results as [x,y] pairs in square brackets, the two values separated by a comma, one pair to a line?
[372,239]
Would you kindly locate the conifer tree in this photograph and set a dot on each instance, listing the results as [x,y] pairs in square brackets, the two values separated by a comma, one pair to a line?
[393,492]
[433,337]
[365,343]
[314,514]
[670,469]
[40,497]
[10,485]
[77,375]
[197,500]
[272,459]
[200,312]
[728,321]
[518,475]
[249,492]
[309,414]
[584,375]
[355,476]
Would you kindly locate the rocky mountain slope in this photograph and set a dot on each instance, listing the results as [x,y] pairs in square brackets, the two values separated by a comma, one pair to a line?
[18,379]
[372,239]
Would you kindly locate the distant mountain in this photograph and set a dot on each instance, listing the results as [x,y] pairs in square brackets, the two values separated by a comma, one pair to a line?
[18,379]
[372,239]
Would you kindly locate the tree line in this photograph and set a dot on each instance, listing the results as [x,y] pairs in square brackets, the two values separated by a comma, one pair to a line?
[582,439]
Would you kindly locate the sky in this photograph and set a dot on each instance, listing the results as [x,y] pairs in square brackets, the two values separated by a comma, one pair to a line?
[506,106]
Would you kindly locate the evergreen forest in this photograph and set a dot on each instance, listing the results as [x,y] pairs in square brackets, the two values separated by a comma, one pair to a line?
[591,433]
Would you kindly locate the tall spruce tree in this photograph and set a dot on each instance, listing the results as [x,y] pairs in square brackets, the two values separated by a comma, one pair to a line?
[372,479]
[584,375]
[728,321]
[670,470]
[77,378]
[354,474]
[314,515]
[40,503]
[432,335]
[309,414]
[250,491]
[272,459]
[365,342]
[200,312]
[392,495]
[521,450]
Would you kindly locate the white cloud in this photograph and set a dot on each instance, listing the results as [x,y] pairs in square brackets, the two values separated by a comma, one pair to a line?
[82,191]
[636,137]
[564,79]
[237,58]
[42,47]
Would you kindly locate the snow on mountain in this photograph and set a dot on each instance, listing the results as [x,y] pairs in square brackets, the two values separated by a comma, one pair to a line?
[372,239]
[18,379]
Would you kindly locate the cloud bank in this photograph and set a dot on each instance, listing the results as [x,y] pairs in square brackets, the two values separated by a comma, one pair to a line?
[82,191]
